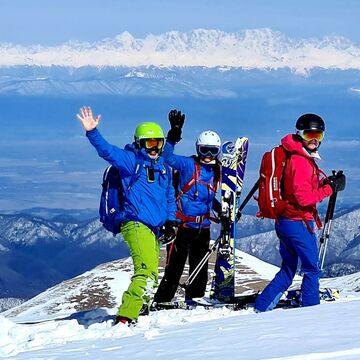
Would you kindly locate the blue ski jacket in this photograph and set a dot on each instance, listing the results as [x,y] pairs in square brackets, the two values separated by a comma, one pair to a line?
[149,201]
[200,199]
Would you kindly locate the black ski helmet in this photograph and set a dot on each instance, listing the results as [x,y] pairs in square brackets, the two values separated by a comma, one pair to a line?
[310,122]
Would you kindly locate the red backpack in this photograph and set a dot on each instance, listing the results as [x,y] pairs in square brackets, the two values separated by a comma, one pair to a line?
[271,204]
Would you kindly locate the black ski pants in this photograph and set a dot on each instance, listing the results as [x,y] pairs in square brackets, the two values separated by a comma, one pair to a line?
[192,243]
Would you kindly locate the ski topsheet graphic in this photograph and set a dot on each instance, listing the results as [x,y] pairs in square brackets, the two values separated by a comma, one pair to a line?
[232,174]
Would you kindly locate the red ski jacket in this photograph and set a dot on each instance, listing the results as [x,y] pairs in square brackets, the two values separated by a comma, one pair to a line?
[303,185]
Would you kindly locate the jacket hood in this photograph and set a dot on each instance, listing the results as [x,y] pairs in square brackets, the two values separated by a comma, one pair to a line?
[292,144]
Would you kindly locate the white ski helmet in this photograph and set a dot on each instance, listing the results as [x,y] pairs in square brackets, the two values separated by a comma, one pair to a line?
[208,139]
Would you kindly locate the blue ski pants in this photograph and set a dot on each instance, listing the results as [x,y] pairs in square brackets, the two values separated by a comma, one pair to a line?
[296,242]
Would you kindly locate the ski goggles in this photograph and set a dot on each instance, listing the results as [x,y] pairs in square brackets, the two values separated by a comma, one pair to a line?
[309,135]
[153,143]
[206,150]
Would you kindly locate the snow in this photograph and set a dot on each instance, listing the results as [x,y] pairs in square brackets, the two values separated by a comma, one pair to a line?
[50,327]
[328,331]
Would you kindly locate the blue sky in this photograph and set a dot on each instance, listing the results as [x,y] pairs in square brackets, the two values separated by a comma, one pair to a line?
[54,22]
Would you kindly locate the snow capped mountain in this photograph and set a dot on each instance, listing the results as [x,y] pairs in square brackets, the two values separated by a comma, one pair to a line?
[200,63]
[37,253]
[247,49]
[25,230]
[9,303]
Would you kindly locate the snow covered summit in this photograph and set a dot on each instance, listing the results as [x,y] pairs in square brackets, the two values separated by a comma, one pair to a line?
[54,325]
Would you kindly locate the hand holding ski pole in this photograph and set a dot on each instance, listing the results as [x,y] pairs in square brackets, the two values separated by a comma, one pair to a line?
[337,181]
[176,120]
[87,119]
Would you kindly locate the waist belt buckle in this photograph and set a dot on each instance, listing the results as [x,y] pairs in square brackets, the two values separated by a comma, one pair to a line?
[198,219]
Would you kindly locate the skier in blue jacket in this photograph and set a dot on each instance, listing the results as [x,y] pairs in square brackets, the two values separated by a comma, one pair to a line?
[198,182]
[149,205]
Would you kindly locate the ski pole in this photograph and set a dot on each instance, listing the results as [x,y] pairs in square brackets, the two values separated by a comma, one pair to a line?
[223,234]
[196,271]
[326,229]
[200,265]
[246,200]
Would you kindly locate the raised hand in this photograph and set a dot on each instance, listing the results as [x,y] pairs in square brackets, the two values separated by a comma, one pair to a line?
[176,119]
[87,119]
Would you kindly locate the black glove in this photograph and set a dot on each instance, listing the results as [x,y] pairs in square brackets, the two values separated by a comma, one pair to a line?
[174,135]
[169,230]
[176,120]
[337,181]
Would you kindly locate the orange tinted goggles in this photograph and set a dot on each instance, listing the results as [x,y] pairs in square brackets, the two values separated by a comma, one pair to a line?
[151,143]
[312,134]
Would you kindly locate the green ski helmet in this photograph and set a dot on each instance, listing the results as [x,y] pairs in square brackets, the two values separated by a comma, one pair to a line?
[146,131]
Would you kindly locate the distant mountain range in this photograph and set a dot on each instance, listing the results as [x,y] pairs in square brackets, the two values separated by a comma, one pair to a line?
[247,49]
[200,63]
[180,81]
[39,252]
[36,253]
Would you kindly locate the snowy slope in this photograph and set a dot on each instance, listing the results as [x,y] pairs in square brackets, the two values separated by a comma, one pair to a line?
[308,333]
[104,285]
[298,334]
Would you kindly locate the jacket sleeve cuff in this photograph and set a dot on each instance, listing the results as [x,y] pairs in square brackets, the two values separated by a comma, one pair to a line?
[327,190]
[92,132]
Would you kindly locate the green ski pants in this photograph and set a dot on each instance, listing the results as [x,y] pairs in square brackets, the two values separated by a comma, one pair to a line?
[145,251]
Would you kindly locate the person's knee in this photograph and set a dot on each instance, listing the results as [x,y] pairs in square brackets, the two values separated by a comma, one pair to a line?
[312,270]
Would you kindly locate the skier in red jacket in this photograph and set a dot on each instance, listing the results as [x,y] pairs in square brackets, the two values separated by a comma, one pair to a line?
[303,186]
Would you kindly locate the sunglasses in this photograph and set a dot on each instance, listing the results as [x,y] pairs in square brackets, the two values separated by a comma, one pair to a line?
[309,135]
[206,150]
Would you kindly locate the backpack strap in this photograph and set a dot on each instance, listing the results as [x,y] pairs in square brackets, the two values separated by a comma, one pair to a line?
[193,182]
[138,166]
[196,219]
[135,175]
[312,209]
[196,179]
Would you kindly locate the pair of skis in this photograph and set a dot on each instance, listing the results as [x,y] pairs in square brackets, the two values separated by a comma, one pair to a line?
[290,299]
